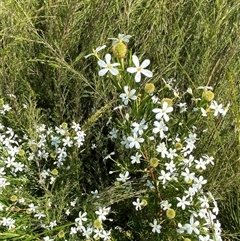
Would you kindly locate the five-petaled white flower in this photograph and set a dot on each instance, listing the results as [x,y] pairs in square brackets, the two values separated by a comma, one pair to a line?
[107,66]
[163,112]
[192,226]
[123,177]
[128,95]
[140,69]
[138,204]
[218,108]
[156,228]
[134,141]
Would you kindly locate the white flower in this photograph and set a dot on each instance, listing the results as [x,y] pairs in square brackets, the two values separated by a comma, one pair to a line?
[128,95]
[218,108]
[140,69]
[121,37]
[136,158]
[164,177]
[138,204]
[134,141]
[8,222]
[156,227]
[107,66]
[102,213]
[139,127]
[95,51]
[47,238]
[81,218]
[162,149]
[163,112]
[192,226]
[123,177]
[160,128]
[182,202]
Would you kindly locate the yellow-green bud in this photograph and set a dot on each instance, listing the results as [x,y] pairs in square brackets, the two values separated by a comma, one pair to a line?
[61,234]
[154,162]
[208,95]
[21,152]
[178,146]
[120,50]
[187,239]
[149,88]
[168,100]
[13,198]
[54,172]
[97,223]
[171,213]
[128,233]
[53,155]
[64,125]
[145,202]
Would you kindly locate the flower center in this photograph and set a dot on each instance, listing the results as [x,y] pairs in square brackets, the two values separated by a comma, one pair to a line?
[109,66]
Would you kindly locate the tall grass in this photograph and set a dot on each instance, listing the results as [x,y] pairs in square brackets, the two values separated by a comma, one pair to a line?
[42,48]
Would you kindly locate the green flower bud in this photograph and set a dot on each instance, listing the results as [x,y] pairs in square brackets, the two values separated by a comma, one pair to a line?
[54,172]
[13,198]
[61,234]
[97,223]
[168,100]
[178,146]
[149,88]
[187,239]
[120,50]
[154,162]
[64,125]
[21,152]
[208,95]
[171,213]
[145,202]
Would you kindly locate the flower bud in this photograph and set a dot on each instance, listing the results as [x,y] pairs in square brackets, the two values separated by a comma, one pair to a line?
[171,213]
[120,50]
[13,198]
[154,162]
[97,223]
[178,146]
[208,95]
[168,100]
[149,88]
[61,234]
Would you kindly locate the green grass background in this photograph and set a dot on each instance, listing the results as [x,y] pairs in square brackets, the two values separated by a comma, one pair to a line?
[42,48]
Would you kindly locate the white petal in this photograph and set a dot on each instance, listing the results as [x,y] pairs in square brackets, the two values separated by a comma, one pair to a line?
[145,63]
[138,77]
[147,73]
[102,72]
[100,48]
[114,71]
[102,64]
[132,70]
[108,58]
[135,60]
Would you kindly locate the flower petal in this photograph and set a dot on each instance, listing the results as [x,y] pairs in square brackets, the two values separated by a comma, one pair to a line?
[138,77]
[114,71]
[132,70]
[147,73]
[108,58]
[135,60]
[102,72]
[102,64]
[145,63]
